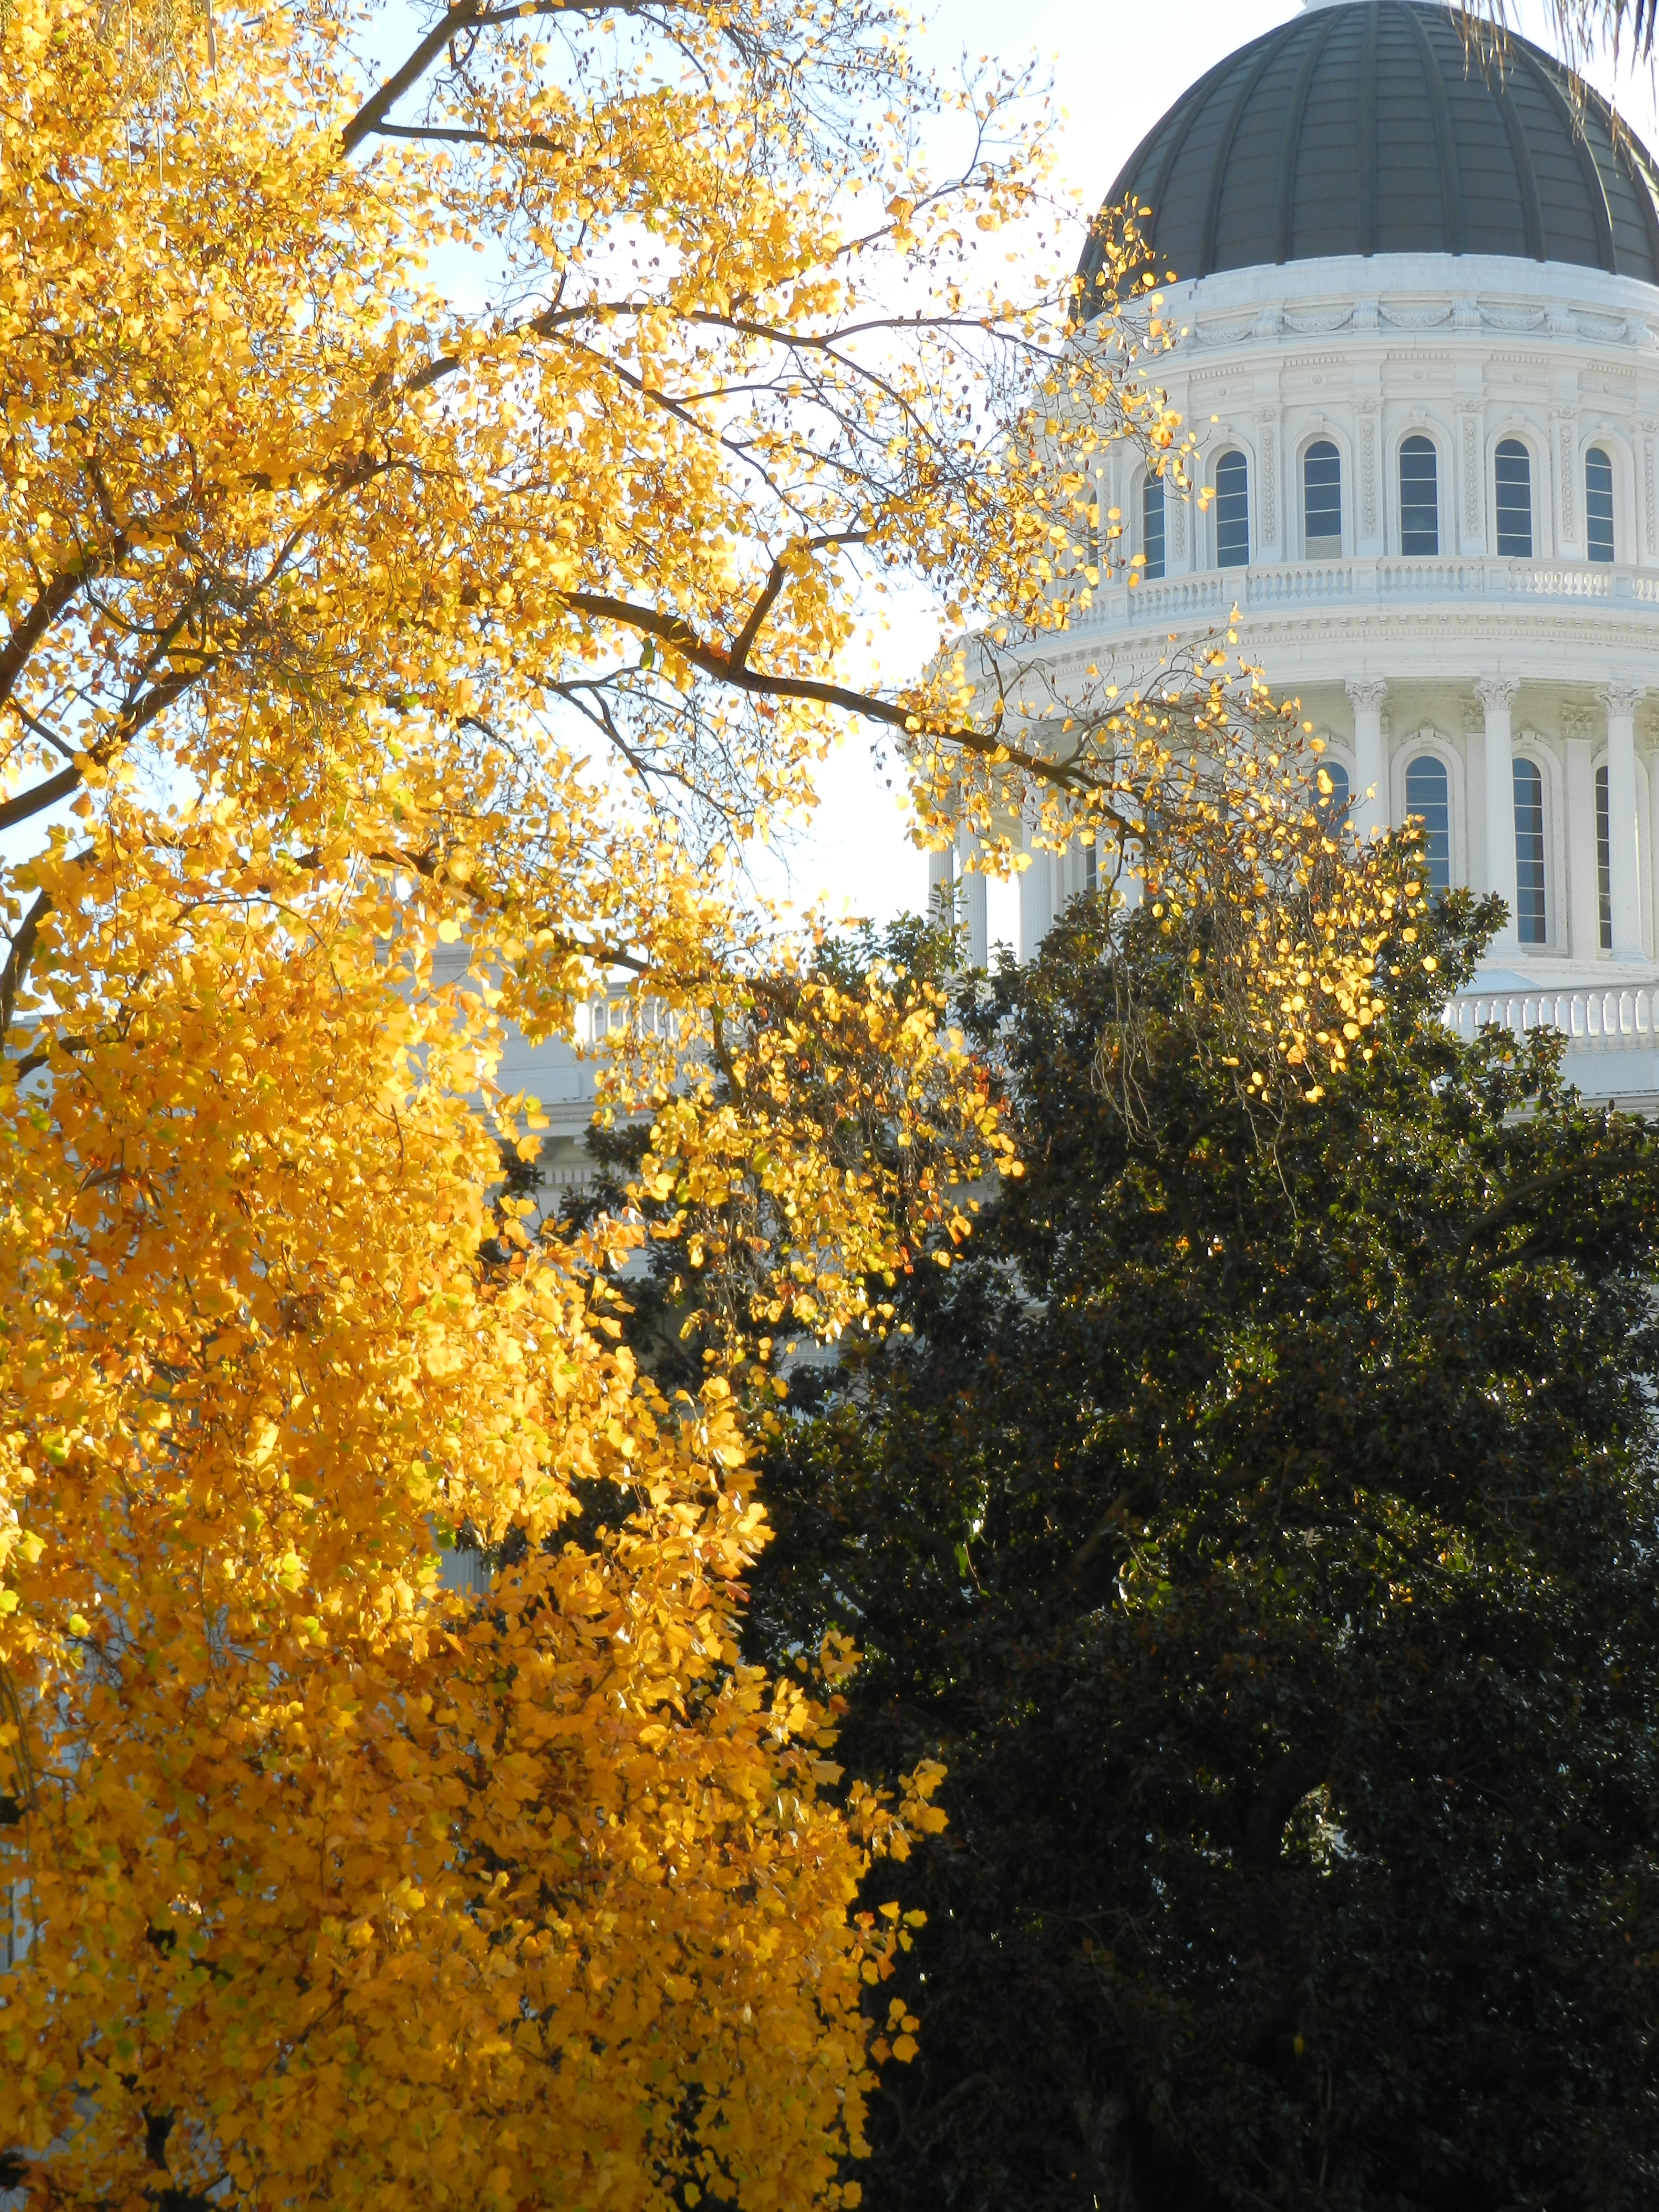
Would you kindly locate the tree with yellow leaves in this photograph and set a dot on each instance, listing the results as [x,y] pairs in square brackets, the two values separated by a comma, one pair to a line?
[344,617]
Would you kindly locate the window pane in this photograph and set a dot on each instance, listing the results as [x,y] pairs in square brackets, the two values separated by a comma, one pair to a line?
[1603,859]
[1514,474]
[1322,500]
[1428,797]
[1598,504]
[1528,853]
[1151,526]
[1232,511]
[1419,497]
[1332,806]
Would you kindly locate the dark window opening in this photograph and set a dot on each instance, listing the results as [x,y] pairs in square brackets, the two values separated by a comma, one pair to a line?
[1332,806]
[1419,497]
[1598,504]
[1514,481]
[1428,797]
[1321,500]
[1232,511]
[1528,853]
[1151,526]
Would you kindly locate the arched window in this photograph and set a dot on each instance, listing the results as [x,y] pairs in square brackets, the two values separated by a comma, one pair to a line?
[1598,504]
[1514,477]
[1428,797]
[1151,526]
[1232,511]
[1321,500]
[1528,853]
[1419,497]
[1333,805]
[1603,859]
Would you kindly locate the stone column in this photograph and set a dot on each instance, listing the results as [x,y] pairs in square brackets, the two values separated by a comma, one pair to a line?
[1036,896]
[1583,879]
[971,909]
[1370,768]
[1623,886]
[1497,697]
[941,883]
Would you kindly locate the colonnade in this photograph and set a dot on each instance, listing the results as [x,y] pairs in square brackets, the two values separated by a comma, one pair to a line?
[1493,868]
[1591,885]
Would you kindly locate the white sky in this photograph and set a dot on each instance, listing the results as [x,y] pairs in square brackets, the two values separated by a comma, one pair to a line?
[1116,67]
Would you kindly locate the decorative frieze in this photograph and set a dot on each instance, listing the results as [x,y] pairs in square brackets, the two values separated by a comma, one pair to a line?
[1268,425]
[1470,441]
[1566,428]
[1367,412]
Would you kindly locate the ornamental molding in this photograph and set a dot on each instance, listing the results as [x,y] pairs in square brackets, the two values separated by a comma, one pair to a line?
[1577,652]
[1497,693]
[1578,722]
[1367,694]
[1368,468]
[1468,412]
[1267,428]
[1622,699]
[1568,439]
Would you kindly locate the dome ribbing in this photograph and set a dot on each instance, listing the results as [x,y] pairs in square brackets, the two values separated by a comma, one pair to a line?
[1367,128]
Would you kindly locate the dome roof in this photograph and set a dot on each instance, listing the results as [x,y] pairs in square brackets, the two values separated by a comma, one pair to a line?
[1366,128]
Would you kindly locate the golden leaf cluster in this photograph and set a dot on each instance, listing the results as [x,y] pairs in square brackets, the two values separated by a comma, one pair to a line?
[435,500]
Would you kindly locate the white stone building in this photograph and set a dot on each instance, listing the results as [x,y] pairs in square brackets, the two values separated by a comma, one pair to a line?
[1421,351]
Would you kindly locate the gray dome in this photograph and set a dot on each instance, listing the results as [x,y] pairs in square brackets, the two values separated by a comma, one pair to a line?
[1368,129]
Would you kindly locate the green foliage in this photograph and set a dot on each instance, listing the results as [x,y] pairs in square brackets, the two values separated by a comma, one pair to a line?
[1259,1519]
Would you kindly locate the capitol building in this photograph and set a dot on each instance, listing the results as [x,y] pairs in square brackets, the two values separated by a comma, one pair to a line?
[1418,298]
[1418,294]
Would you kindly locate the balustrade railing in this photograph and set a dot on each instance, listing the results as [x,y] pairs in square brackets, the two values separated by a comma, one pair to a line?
[1617,1019]
[1172,601]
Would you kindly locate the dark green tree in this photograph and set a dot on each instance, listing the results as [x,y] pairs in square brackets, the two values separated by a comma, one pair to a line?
[1259,1520]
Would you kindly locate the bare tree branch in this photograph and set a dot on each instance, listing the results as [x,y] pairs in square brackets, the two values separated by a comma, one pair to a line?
[28,803]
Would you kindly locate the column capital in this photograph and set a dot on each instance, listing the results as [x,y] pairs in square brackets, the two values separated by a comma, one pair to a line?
[1496,692]
[1366,694]
[1622,698]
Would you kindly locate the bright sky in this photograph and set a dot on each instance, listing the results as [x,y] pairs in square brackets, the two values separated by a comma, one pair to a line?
[1115,67]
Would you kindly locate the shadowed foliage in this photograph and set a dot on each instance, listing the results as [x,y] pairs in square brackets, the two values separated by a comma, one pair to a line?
[1258,1518]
